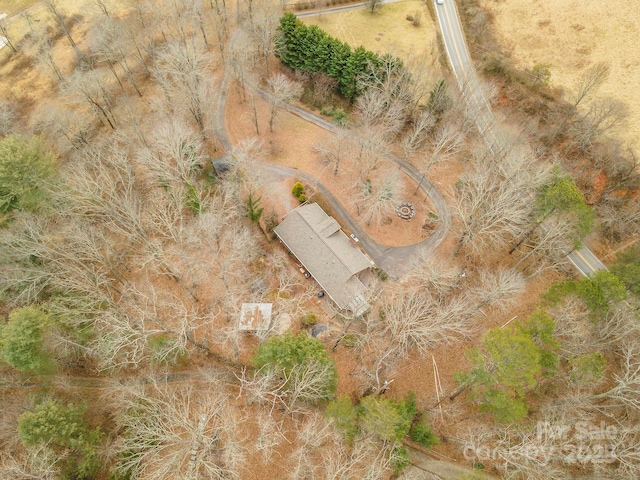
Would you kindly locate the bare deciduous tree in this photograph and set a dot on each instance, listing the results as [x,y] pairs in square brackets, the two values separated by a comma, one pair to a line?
[269,436]
[182,70]
[446,142]
[186,432]
[173,154]
[241,53]
[322,452]
[389,98]
[104,190]
[71,124]
[492,209]
[109,42]
[378,198]
[626,390]
[281,91]
[80,262]
[415,319]
[336,149]
[39,462]
[439,278]
[43,44]
[416,136]
[498,288]
[604,115]
[94,90]
[60,18]
[371,147]
[373,5]
[304,384]
[620,221]
[103,7]
[591,80]
[547,246]
[245,167]
[263,26]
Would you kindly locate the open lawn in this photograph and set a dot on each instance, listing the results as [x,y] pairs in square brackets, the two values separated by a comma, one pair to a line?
[570,36]
[11,7]
[386,31]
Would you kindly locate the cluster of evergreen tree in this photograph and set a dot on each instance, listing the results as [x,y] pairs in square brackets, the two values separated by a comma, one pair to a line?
[311,49]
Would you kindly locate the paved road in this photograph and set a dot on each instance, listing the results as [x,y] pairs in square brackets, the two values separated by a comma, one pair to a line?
[342,8]
[584,260]
[465,74]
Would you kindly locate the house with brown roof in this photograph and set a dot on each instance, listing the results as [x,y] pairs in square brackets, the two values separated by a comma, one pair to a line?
[323,249]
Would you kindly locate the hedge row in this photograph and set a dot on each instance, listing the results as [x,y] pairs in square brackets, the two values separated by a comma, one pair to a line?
[311,49]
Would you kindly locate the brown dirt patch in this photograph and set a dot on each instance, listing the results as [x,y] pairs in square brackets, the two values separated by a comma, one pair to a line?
[291,144]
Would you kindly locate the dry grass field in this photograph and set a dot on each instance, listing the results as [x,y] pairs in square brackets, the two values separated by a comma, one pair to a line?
[14,7]
[11,7]
[570,36]
[386,31]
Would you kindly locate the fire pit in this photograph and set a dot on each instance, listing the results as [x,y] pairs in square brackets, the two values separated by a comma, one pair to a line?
[406,210]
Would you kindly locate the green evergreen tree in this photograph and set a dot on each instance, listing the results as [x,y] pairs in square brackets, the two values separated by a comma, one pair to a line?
[345,416]
[289,355]
[598,292]
[25,171]
[62,428]
[22,339]
[387,419]
[439,99]
[310,49]
[562,197]
[254,208]
[627,269]
[510,364]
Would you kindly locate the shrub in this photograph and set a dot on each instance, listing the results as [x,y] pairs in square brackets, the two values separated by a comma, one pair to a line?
[271,222]
[339,116]
[399,459]
[350,340]
[309,320]
[326,110]
[382,275]
[298,189]
[422,434]
[21,340]
[302,198]
[387,419]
